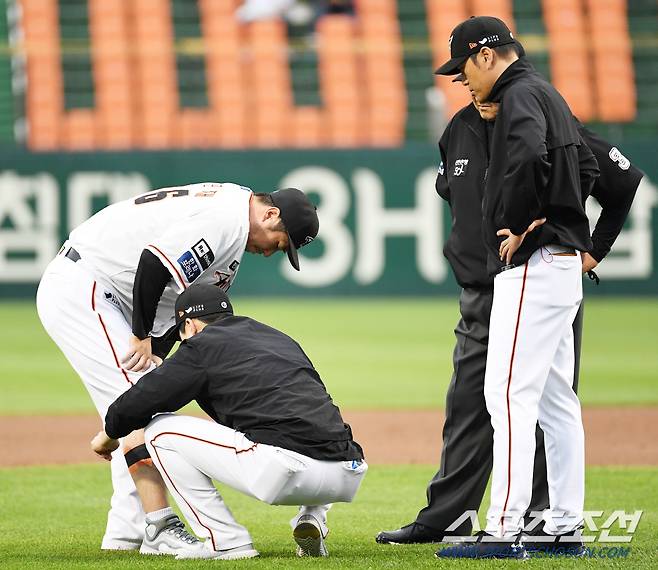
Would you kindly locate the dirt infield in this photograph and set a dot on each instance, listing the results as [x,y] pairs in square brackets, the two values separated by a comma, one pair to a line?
[614,436]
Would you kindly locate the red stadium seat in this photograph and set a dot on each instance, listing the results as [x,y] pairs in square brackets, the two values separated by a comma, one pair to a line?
[443,16]
[569,61]
[614,80]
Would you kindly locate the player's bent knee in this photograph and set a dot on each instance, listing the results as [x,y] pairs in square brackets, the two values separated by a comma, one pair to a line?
[133,439]
[159,424]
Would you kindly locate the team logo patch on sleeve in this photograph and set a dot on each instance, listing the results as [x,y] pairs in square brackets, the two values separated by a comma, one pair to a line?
[203,253]
[189,266]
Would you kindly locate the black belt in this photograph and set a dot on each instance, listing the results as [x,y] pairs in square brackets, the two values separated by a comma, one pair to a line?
[566,250]
[72,254]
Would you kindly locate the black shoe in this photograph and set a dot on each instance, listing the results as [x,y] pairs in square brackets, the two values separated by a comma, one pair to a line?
[486,546]
[543,544]
[414,533]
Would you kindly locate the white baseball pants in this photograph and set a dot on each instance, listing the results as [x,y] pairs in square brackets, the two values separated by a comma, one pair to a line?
[529,378]
[79,315]
[191,452]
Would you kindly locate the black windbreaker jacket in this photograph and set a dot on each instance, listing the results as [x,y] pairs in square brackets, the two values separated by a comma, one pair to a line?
[533,168]
[461,179]
[249,377]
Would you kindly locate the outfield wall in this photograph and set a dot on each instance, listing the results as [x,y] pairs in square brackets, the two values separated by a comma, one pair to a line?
[382,225]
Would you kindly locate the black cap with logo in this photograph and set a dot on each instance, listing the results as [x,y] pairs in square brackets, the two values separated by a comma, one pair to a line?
[201,300]
[300,218]
[471,36]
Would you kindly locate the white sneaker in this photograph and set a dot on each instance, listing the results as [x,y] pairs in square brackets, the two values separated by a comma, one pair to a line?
[308,536]
[237,553]
[120,544]
[168,536]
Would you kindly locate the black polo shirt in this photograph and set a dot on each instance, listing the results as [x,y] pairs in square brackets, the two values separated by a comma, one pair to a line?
[249,377]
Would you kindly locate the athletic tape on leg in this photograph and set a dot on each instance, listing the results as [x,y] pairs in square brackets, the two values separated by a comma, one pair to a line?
[137,456]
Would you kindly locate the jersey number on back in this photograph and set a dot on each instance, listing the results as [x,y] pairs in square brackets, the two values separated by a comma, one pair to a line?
[161,195]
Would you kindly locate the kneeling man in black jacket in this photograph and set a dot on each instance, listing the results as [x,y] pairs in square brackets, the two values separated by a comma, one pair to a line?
[276,434]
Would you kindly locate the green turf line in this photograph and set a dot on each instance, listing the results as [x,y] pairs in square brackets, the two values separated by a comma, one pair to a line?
[54,517]
[372,354]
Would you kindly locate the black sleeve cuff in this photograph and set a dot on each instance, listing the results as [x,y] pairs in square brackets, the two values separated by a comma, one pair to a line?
[599,252]
[110,428]
[161,346]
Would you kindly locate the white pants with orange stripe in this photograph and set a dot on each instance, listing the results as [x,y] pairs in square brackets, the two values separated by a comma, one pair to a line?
[190,452]
[529,378]
[79,315]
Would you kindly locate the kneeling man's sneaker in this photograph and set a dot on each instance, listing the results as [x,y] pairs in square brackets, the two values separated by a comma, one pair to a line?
[168,536]
[308,536]
[486,546]
[207,552]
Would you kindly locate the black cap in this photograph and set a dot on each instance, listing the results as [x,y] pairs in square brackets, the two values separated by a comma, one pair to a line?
[200,300]
[519,51]
[471,36]
[300,218]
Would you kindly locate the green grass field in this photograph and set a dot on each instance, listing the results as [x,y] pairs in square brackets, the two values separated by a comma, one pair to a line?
[54,518]
[372,354]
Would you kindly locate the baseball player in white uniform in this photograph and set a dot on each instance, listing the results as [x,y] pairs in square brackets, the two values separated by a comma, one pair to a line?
[276,434]
[107,301]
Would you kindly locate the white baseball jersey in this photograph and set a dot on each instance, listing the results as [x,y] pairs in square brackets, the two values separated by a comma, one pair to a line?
[199,233]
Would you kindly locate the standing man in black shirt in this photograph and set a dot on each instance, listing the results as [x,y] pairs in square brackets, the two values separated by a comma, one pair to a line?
[276,435]
[466,458]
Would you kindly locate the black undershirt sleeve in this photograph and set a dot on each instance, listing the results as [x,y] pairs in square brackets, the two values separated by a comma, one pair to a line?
[151,279]
[162,345]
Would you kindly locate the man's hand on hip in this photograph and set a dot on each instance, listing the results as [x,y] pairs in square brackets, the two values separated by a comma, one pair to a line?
[512,242]
[589,262]
[139,357]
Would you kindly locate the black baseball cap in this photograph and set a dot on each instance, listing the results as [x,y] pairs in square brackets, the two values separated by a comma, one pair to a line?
[300,218]
[200,300]
[470,37]
[519,51]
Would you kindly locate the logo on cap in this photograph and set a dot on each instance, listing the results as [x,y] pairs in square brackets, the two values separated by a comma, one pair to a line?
[472,45]
[450,41]
[493,38]
[307,240]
